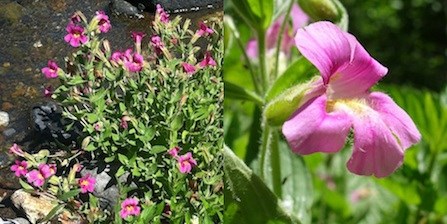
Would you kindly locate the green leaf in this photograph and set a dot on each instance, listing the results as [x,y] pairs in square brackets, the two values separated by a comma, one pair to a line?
[123,159]
[257,13]
[69,194]
[237,92]
[55,211]
[299,71]
[76,81]
[177,123]
[257,204]
[25,185]
[158,149]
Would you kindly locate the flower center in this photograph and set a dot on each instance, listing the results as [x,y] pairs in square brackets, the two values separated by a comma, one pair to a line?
[356,106]
[129,208]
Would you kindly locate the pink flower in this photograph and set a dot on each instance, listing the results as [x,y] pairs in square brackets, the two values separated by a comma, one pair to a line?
[97,126]
[343,100]
[188,68]
[204,30]
[75,18]
[138,36]
[161,15]
[87,183]
[36,178]
[130,207]
[76,35]
[134,62]
[186,163]
[20,168]
[117,58]
[15,149]
[51,70]
[299,19]
[123,122]
[207,60]
[48,91]
[47,170]
[103,22]
[157,44]
[360,194]
[174,151]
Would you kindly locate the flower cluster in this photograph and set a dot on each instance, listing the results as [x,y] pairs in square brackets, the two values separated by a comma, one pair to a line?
[130,207]
[185,162]
[132,61]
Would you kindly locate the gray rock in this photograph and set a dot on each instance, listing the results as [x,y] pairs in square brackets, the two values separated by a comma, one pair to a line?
[9,132]
[4,118]
[177,6]
[123,7]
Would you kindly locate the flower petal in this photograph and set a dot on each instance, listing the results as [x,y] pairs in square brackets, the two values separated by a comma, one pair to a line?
[376,150]
[311,129]
[299,17]
[343,63]
[395,118]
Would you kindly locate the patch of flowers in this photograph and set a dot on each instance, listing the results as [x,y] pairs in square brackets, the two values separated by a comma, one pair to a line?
[136,105]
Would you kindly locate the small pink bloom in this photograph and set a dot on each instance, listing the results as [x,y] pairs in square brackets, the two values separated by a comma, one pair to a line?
[47,170]
[130,207]
[36,178]
[51,70]
[207,60]
[161,14]
[174,151]
[87,183]
[252,49]
[343,101]
[188,68]
[15,149]
[117,58]
[138,36]
[103,22]
[76,35]
[48,91]
[186,163]
[360,194]
[157,44]
[134,62]
[97,126]
[204,30]
[123,122]
[20,168]
[75,18]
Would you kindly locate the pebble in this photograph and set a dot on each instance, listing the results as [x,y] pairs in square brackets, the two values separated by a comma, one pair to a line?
[6,64]
[7,106]
[9,132]
[4,118]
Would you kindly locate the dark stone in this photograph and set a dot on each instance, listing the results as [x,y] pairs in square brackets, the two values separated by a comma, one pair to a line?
[9,132]
[5,160]
[176,6]
[9,180]
[48,123]
[123,7]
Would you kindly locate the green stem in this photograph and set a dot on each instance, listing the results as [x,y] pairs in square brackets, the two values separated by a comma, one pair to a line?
[280,38]
[256,80]
[276,164]
[264,148]
[270,152]
[262,64]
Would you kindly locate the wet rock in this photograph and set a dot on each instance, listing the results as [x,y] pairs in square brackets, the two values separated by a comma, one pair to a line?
[176,6]
[9,132]
[34,207]
[4,119]
[48,123]
[5,160]
[122,7]
[9,180]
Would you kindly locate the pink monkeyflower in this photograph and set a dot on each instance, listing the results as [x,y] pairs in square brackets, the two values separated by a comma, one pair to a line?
[20,168]
[36,178]
[138,36]
[47,170]
[123,122]
[161,14]
[48,91]
[97,126]
[75,18]
[343,100]
[117,58]
[103,22]
[130,207]
[207,60]
[299,19]
[204,30]
[186,163]
[188,68]
[16,150]
[134,62]
[157,44]
[87,183]
[51,70]
[174,151]
[76,35]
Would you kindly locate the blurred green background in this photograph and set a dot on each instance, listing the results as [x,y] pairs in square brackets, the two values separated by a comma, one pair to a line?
[407,36]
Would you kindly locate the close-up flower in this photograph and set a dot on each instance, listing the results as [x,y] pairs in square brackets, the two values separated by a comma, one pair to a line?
[207,60]
[16,150]
[87,183]
[186,162]
[47,170]
[157,44]
[188,68]
[36,178]
[344,101]
[48,91]
[20,168]
[161,14]
[51,71]
[103,22]
[76,35]
[133,62]
[130,207]
[174,151]
[204,30]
